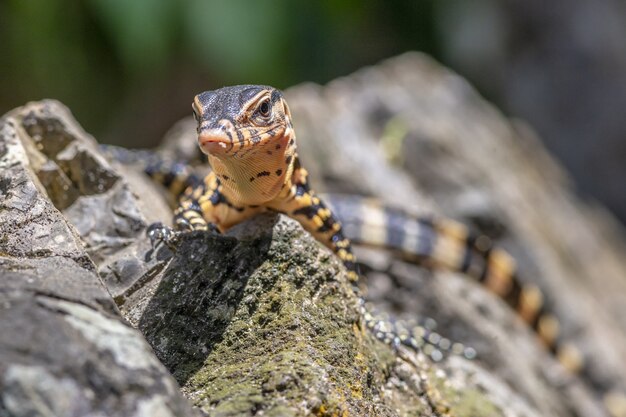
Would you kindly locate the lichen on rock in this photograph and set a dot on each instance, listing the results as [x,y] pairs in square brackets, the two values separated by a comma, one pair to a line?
[64,348]
[262,320]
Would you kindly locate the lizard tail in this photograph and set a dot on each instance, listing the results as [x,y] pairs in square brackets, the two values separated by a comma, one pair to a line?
[444,243]
[175,175]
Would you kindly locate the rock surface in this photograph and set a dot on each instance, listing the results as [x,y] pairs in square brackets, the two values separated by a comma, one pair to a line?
[430,143]
[556,67]
[64,349]
[262,321]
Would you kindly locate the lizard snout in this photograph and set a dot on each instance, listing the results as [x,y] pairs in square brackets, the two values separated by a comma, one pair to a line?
[216,141]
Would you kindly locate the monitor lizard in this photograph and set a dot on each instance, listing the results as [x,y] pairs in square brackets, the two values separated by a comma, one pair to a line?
[248,135]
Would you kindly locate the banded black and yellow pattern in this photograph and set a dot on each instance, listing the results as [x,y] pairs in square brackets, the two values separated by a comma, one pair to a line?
[247,133]
[175,175]
[444,243]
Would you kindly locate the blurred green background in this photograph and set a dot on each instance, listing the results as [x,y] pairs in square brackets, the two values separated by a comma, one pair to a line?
[128,69]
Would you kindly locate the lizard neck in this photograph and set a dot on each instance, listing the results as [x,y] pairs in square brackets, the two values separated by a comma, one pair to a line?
[256,174]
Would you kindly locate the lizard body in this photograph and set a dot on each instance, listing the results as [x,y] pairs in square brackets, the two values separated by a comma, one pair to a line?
[248,135]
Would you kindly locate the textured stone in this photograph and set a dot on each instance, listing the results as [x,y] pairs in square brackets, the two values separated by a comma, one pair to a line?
[444,150]
[64,349]
[262,320]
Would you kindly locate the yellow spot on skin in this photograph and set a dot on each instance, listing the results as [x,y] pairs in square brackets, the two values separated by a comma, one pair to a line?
[448,252]
[210,181]
[452,229]
[342,243]
[205,206]
[304,200]
[324,212]
[192,217]
[502,261]
[499,284]
[344,255]
[548,329]
[531,300]
[317,221]
[375,222]
[352,276]
[500,271]
[570,357]
[177,185]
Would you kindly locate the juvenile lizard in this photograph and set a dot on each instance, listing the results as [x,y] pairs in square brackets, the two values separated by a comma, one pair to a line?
[248,135]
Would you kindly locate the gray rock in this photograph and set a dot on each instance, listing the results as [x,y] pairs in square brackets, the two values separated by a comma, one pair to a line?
[560,66]
[262,321]
[64,349]
[202,291]
[430,143]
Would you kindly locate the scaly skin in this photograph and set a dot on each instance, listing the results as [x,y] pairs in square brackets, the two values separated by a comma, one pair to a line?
[248,135]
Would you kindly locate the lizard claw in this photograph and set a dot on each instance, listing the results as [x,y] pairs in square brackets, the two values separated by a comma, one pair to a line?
[158,232]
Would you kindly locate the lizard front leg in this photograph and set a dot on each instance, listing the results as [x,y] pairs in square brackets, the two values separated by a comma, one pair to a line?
[205,207]
[188,216]
[302,204]
[200,207]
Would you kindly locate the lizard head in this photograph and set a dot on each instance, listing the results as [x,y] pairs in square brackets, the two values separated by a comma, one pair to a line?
[234,121]
[247,133]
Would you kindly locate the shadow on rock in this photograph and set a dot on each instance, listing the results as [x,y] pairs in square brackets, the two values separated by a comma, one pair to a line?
[198,295]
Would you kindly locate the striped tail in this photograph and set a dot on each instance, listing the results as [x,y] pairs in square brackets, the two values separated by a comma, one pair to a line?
[176,176]
[444,243]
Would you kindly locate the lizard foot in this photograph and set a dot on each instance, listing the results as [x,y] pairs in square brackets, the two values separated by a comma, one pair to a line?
[186,225]
[160,233]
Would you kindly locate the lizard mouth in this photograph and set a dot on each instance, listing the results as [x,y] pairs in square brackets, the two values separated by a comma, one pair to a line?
[220,142]
[216,141]
[211,144]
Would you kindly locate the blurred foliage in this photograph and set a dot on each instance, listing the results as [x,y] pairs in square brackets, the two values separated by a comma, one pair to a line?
[128,69]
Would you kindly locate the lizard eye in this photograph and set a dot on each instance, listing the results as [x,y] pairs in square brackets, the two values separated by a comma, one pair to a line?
[264,108]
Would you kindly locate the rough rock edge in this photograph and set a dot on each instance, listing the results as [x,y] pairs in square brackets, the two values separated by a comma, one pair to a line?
[344,394]
[268,323]
[436,397]
[425,130]
[64,350]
